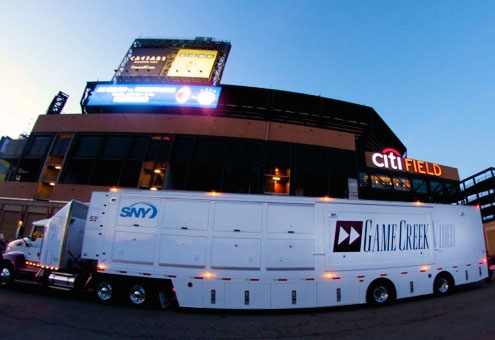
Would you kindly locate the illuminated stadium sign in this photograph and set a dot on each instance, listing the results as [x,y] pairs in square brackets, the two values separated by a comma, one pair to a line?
[174,61]
[154,95]
[391,159]
[193,63]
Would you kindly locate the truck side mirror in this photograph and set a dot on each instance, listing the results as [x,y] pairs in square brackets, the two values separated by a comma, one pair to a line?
[20,232]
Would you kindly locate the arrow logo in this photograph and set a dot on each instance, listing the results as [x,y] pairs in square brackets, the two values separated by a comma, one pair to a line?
[348,236]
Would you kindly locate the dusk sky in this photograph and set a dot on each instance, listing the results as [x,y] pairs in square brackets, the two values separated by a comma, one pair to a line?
[426,67]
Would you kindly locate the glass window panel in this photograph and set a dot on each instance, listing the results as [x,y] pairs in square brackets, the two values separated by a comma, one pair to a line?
[245,152]
[182,149]
[138,147]
[77,171]
[106,172]
[39,146]
[115,147]
[209,150]
[419,186]
[88,146]
[61,145]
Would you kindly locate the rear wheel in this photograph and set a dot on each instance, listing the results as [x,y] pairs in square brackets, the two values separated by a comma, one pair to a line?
[443,285]
[380,293]
[105,291]
[6,275]
[139,294]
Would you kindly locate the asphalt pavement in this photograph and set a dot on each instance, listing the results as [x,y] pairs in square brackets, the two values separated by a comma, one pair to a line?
[29,313]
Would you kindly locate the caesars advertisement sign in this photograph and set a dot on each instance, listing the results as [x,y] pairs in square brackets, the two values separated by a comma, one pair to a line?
[167,62]
[391,159]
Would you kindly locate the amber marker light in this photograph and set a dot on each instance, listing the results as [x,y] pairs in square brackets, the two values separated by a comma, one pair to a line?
[326,198]
[58,167]
[424,269]
[101,266]
[153,188]
[418,203]
[157,171]
[208,275]
[328,275]
[114,189]
[213,193]
[276,178]
[52,184]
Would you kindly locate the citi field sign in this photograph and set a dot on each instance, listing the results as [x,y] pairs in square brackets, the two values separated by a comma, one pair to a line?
[391,159]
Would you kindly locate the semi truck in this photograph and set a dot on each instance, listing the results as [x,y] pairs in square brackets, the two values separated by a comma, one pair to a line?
[235,251]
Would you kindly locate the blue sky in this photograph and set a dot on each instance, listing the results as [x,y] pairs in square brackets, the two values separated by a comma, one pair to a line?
[427,67]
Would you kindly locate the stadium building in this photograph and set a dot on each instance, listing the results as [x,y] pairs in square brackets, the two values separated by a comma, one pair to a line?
[165,121]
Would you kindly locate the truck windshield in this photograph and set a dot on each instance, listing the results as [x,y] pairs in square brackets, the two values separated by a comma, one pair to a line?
[37,232]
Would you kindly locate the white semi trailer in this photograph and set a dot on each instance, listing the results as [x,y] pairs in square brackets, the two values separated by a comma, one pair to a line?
[211,250]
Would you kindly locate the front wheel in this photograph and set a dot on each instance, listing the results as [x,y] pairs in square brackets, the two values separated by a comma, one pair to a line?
[6,275]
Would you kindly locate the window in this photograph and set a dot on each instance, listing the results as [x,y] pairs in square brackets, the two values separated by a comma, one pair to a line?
[78,171]
[61,145]
[138,147]
[38,232]
[277,181]
[182,149]
[245,152]
[436,188]
[402,184]
[205,177]
[39,146]
[29,170]
[277,169]
[88,146]
[311,171]
[419,186]
[130,174]
[209,150]
[115,147]
[241,179]
[381,182]
[106,172]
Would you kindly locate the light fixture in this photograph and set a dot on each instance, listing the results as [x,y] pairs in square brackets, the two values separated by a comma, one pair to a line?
[208,275]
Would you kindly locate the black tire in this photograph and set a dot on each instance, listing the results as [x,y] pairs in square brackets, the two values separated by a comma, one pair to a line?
[105,291]
[6,275]
[443,285]
[381,293]
[141,294]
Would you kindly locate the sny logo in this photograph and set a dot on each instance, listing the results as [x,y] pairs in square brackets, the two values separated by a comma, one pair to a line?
[348,236]
[139,210]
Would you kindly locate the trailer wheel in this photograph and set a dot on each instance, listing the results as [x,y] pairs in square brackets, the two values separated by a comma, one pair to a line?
[6,275]
[381,292]
[105,291]
[443,284]
[139,294]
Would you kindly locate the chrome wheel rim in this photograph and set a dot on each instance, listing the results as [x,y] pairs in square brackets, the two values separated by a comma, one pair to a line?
[443,285]
[5,276]
[137,295]
[380,294]
[104,291]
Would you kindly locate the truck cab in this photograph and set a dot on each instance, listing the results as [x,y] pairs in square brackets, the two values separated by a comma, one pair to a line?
[50,255]
[30,246]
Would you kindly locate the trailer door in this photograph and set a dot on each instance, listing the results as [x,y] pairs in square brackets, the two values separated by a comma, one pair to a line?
[378,239]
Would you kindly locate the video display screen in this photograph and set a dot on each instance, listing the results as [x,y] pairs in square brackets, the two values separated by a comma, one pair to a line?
[155,95]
